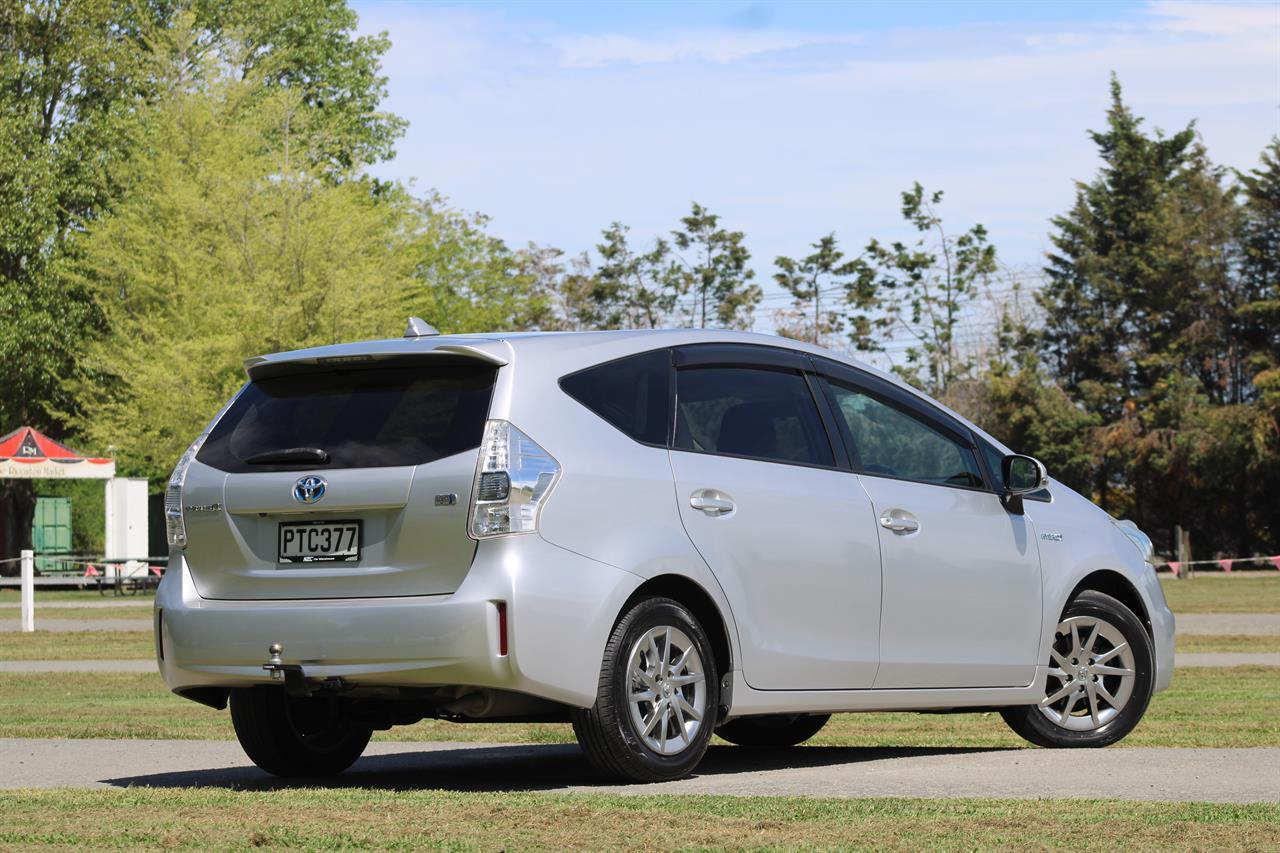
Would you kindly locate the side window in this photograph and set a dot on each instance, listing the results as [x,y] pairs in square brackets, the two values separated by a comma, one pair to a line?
[889,442]
[631,393]
[753,412]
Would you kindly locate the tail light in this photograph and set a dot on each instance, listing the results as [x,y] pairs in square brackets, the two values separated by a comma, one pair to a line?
[513,477]
[175,526]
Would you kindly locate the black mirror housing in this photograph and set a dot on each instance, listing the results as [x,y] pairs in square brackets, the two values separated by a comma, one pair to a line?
[1021,475]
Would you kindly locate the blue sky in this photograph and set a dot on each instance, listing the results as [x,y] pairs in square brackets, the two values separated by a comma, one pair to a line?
[792,120]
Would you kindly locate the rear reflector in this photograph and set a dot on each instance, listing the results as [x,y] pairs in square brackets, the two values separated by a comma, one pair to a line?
[502,627]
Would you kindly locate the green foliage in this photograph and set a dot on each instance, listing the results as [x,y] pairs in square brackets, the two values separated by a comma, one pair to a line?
[633,290]
[922,289]
[711,266]
[1160,311]
[825,273]
[226,244]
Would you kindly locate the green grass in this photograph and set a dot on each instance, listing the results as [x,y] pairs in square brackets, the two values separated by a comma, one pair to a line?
[1224,593]
[1206,707]
[11,595]
[373,818]
[77,645]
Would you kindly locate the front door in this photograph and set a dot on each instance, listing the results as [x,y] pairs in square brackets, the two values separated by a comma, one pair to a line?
[790,538]
[961,575]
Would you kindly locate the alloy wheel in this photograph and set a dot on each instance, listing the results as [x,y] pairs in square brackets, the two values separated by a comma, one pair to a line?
[666,690]
[1093,667]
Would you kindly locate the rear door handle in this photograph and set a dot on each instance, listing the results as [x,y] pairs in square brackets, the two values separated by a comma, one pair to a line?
[899,521]
[711,502]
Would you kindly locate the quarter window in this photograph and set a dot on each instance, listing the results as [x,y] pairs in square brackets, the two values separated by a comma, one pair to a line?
[888,442]
[752,412]
[631,393]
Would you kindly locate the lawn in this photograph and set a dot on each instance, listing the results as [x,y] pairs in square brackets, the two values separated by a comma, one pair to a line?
[11,595]
[1206,707]
[1224,593]
[78,645]
[346,818]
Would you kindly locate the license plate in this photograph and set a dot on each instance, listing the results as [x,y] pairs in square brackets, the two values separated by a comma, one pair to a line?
[319,541]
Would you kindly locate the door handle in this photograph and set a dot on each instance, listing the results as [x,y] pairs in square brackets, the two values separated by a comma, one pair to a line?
[899,521]
[711,502]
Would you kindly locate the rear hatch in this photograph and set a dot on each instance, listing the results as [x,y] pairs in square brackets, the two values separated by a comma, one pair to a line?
[323,481]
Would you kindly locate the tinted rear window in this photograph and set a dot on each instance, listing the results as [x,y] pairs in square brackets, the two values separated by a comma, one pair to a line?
[631,393]
[368,418]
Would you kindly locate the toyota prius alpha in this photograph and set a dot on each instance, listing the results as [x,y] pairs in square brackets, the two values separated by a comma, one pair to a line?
[655,535]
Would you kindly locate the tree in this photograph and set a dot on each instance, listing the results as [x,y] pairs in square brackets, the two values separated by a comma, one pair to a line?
[924,287]
[227,243]
[1258,311]
[633,290]
[713,269]
[74,77]
[824,272]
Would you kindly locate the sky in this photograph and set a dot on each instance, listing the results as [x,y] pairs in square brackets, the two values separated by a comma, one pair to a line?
[794,120]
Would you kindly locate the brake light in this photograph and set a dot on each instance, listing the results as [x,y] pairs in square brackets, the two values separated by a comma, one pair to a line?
[513,477]
[175,526]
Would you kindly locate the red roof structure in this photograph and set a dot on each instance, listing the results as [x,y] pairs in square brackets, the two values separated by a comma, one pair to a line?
[30,454]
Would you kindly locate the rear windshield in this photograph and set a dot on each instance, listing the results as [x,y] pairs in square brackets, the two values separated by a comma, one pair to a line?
[366,418]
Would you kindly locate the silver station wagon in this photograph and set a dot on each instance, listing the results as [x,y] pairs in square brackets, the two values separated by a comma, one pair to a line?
[655,535]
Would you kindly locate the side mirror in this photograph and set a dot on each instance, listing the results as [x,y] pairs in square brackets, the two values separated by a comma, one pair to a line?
[1021,475]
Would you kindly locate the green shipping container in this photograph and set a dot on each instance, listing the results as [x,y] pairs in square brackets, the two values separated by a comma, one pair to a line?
[51,534]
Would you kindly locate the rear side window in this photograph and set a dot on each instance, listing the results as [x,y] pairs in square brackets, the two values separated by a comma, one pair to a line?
[631,393]
[752,412]
[366,418]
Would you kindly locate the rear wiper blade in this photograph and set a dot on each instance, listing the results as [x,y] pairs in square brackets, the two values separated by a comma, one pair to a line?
[289,456]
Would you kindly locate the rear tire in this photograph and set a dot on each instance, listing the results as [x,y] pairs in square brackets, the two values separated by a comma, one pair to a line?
[294,737]
[773,730]
[657,699]
[1101,668]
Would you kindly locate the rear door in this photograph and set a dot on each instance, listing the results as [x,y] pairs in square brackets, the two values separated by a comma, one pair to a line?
[961,595]
[787,534]
[323,482]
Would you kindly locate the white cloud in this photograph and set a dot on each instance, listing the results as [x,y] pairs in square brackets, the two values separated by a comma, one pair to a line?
[718,46]
[1216,18]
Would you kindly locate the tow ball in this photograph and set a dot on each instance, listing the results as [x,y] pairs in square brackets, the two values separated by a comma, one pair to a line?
[289,673]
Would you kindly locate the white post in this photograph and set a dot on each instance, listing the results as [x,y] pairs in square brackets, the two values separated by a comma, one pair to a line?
[28,591]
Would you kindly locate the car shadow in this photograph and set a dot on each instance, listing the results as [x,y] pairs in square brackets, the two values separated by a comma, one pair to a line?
[534,767]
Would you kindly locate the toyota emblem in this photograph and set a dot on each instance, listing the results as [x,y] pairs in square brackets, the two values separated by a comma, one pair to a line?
[309,489]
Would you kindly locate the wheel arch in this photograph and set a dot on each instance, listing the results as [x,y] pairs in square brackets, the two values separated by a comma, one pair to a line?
[700,603]
[1117,586]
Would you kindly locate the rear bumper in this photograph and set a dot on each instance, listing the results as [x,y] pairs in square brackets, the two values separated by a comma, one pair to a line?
[560,609]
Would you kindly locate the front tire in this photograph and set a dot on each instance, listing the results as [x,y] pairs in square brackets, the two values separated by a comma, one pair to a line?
[773,730]
[1101,676]
[657,699]
[293,737]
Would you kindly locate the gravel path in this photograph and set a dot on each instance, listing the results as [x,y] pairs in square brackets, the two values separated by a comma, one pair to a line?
[1228,623]
[1217,775]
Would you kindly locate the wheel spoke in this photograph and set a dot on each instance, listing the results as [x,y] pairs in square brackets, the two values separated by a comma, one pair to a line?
[1060,660]
[1066,690]
[1087,648]
[682,680]
[1109,654]
[1071,704]
[1093,703]
[1111,670]
[1075,640]
[1058,674]
[644,696]
[675,707]
[659,711]
[679,665]
[684,705]
[666,713]
[1105,694]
